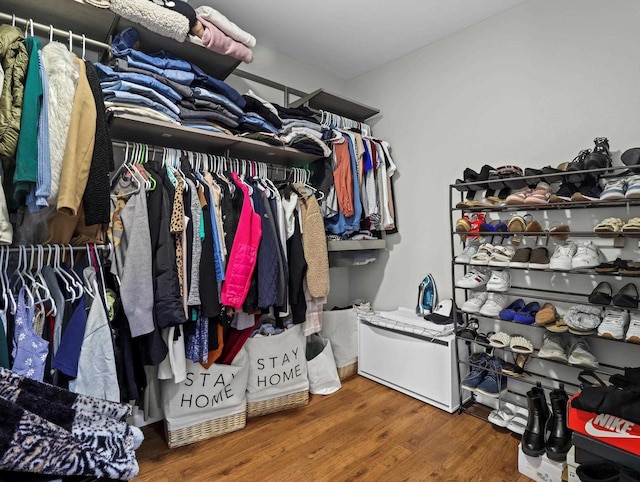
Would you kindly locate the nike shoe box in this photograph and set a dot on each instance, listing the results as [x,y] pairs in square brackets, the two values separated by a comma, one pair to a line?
[540,469]
[605,428]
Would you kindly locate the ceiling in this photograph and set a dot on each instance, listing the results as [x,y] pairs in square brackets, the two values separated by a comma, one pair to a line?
[351,37]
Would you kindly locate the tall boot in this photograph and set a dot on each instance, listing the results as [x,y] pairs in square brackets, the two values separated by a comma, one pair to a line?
[533,436]
[545,408]
[559,440]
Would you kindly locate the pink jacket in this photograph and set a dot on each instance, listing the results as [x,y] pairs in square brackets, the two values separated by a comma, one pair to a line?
[217,41]
[244,253]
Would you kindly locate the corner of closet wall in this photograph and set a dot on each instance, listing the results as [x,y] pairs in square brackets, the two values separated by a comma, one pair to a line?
[520,88]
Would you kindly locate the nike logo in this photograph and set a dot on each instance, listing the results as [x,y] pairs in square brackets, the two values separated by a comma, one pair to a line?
[612,427]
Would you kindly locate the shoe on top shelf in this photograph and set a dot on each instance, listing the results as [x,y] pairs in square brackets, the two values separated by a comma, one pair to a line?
[500,281]
[633,332]
[475,278]
[518,197]
[481,257]
[475,302]
[466,254]
[614,189]
[587,255]
[561,258]
[564,193]
[633,188]
[614,324]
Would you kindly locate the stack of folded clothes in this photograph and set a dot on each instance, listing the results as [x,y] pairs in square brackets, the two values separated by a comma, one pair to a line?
[301,130]
[164,87]
[217,33]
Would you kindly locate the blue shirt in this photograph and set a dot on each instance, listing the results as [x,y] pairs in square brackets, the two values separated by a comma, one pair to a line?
[68,354]
[217,240]
[126,86]
[199,92]
[135,99]
[106,73]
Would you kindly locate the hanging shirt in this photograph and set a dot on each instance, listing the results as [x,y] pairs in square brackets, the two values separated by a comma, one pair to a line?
[68,353]
[30,350]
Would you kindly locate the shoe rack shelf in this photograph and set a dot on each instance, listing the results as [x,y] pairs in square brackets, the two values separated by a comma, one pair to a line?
[588,272]
[542,289]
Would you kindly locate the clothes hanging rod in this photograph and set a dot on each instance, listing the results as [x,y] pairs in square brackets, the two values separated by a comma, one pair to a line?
[49,29]
[63,247]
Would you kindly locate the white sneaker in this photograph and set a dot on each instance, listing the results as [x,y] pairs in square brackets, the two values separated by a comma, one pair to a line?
[633,333]
[494,305]
[501,255]
[581,355]
[633,188]
[466,254]
[553,348]
[475,278]
[561,258]
[483,255]
[614,324]
[613,189]
[500,281]
[473,304]
[587,256]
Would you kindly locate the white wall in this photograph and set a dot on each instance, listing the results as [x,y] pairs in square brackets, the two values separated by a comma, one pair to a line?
[279,68]
[530,86]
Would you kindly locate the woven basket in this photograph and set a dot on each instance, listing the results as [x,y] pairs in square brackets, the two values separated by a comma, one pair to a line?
[277,404]
[348,371]
[206,430]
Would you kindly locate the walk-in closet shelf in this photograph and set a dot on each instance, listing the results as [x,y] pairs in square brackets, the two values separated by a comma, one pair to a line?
[542,285]
[356,245]
[126,127]
[328,101]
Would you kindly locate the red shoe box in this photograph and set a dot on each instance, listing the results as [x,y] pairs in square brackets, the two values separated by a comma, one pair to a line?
[606,428]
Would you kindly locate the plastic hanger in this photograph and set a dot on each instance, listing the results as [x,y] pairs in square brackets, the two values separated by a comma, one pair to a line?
[28,28]
[7,287]
[53,310]
[5,298]
[70,41]
[84,46]
[50,33]
[64,276]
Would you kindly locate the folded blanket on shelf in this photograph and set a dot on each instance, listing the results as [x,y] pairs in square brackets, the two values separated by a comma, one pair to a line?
[228,27]
[215,40]
[158,19]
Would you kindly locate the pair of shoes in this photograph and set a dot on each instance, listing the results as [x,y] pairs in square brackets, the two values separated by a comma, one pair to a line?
[536,258]
[618,324]
[488,254]
[612,227]
[546,315]
[619,266]
[485,376]
[588,190]
[468,226]
[568,256]
[599,158]
[626,297]
[583,319]
[518,344]
[539,195]
[576,353]
[469,250]
[520,312]
[502,416]
[486,304]
[616,189]
[523,226]
[469,175]
[546,430]
[499,280]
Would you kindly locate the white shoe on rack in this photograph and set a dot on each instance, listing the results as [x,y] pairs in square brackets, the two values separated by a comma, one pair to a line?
[483,255]
[500,281]
[474,279]
[580,355]
[467,253]
[587,256]
[633,332]
[473,304]
[614,324]
[494,305]
[561,258]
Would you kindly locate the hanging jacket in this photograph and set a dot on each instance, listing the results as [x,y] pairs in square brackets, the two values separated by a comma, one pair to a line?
[314,242]
[242,259]
[268,263]
[62,78]
[14,60]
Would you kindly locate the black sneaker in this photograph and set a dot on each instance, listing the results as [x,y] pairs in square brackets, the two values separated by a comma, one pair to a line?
[577,165]
[589,190]
[564,193]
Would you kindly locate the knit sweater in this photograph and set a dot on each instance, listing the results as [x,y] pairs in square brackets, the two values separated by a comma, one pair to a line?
[96,194]
[315,245]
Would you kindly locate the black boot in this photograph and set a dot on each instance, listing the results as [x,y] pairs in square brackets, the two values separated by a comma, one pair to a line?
[545,408]
[559,440]
[533,436]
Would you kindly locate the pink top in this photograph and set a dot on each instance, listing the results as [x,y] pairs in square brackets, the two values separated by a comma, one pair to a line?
[217,41]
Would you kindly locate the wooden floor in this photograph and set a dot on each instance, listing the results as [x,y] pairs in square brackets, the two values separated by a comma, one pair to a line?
[364,431]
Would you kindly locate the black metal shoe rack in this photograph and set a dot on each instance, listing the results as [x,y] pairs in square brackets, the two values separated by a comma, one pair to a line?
[549,373]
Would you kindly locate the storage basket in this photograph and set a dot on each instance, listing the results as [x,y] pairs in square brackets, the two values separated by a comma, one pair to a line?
[348,371]
[208,403]
[277,372]
[277,404]
[205,430]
